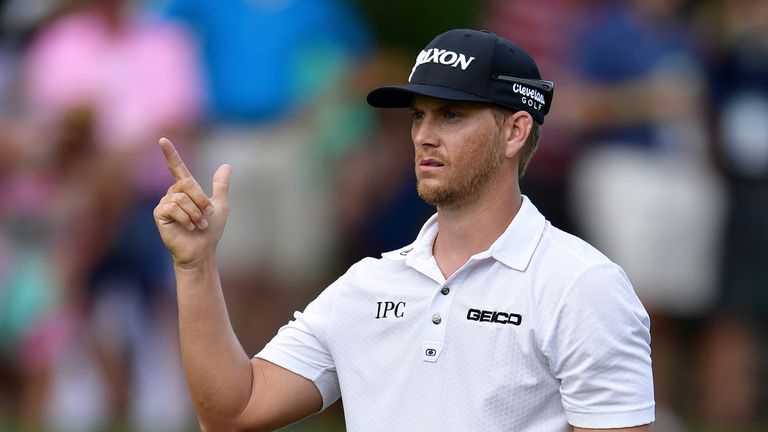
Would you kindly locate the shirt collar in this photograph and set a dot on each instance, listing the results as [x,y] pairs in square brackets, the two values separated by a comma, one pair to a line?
[514,248]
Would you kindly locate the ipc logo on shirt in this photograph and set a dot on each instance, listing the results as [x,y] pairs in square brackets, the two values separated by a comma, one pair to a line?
[389,308]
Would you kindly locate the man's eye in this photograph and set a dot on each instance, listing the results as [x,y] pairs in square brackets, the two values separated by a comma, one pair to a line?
[417,115]
[451,114]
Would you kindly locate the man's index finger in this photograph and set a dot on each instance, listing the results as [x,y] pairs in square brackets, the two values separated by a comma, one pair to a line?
[175,164]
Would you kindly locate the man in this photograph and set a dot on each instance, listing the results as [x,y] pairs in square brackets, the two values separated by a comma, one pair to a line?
[491,320]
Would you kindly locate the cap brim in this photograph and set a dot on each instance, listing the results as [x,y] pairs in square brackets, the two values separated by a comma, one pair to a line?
[400,96]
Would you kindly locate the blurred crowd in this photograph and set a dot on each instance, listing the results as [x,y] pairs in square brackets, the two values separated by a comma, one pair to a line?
[656,151]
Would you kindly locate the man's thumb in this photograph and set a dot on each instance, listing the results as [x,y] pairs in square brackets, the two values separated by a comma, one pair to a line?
[221,181]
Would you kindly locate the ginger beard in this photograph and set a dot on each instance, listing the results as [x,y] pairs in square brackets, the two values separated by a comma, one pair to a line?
[466,172]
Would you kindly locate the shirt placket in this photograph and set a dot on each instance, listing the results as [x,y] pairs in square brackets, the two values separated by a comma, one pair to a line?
[436,320]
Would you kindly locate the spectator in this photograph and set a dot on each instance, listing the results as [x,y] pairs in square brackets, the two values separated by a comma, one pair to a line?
[137,78]
[276,71]
[647,167]
[734,346]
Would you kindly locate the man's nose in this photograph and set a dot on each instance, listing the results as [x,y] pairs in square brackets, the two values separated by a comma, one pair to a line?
[424,133]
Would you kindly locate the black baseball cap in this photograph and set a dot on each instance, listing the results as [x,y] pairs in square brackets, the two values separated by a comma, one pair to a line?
[473,66]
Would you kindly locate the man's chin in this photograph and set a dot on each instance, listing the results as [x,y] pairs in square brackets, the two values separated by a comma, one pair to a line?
[435,195]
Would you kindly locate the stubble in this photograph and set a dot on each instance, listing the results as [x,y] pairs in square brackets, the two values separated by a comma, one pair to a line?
[469,172]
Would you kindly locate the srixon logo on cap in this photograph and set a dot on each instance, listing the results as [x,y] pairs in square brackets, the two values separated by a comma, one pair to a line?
[441,56]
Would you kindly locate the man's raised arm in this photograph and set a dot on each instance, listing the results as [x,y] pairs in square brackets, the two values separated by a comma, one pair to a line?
[230,391]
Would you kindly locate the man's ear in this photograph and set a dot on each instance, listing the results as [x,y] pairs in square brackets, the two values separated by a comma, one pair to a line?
[515,131]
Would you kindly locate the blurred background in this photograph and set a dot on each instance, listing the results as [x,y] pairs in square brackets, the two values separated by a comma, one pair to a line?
[656,151]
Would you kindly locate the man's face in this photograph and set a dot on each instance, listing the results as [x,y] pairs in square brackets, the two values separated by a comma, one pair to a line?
[458,149]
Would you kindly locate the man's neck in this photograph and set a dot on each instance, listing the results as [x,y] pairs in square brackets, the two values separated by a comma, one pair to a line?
[472,228]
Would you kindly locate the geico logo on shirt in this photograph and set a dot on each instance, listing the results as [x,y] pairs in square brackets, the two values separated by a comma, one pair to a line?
[441,56]
[494,317]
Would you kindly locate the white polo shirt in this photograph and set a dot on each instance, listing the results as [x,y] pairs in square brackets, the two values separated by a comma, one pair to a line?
[538,332]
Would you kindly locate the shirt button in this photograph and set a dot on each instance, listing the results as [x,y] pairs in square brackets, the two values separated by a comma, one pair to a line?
[436,319]
[445,290]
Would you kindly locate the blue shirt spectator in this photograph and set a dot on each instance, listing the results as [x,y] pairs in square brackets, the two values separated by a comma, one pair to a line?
[266,58]
[621,46]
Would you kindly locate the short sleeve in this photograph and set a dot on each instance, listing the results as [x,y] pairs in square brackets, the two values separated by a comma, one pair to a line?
[599,349]
[300,347]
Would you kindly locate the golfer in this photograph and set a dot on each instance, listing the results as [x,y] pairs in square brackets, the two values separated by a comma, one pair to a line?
[491,320]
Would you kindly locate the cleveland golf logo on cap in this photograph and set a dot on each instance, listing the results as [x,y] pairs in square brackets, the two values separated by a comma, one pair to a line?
[528,92]
[441,56]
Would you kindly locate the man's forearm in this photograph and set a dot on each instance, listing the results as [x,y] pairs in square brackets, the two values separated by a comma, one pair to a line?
[217,368]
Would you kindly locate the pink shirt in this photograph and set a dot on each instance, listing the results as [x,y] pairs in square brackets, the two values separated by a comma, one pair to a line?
[139,81]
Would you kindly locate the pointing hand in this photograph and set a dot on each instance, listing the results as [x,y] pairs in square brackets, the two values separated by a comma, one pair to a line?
[191,223]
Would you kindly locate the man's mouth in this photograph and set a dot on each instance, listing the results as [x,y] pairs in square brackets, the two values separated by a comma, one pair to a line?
[430,162]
